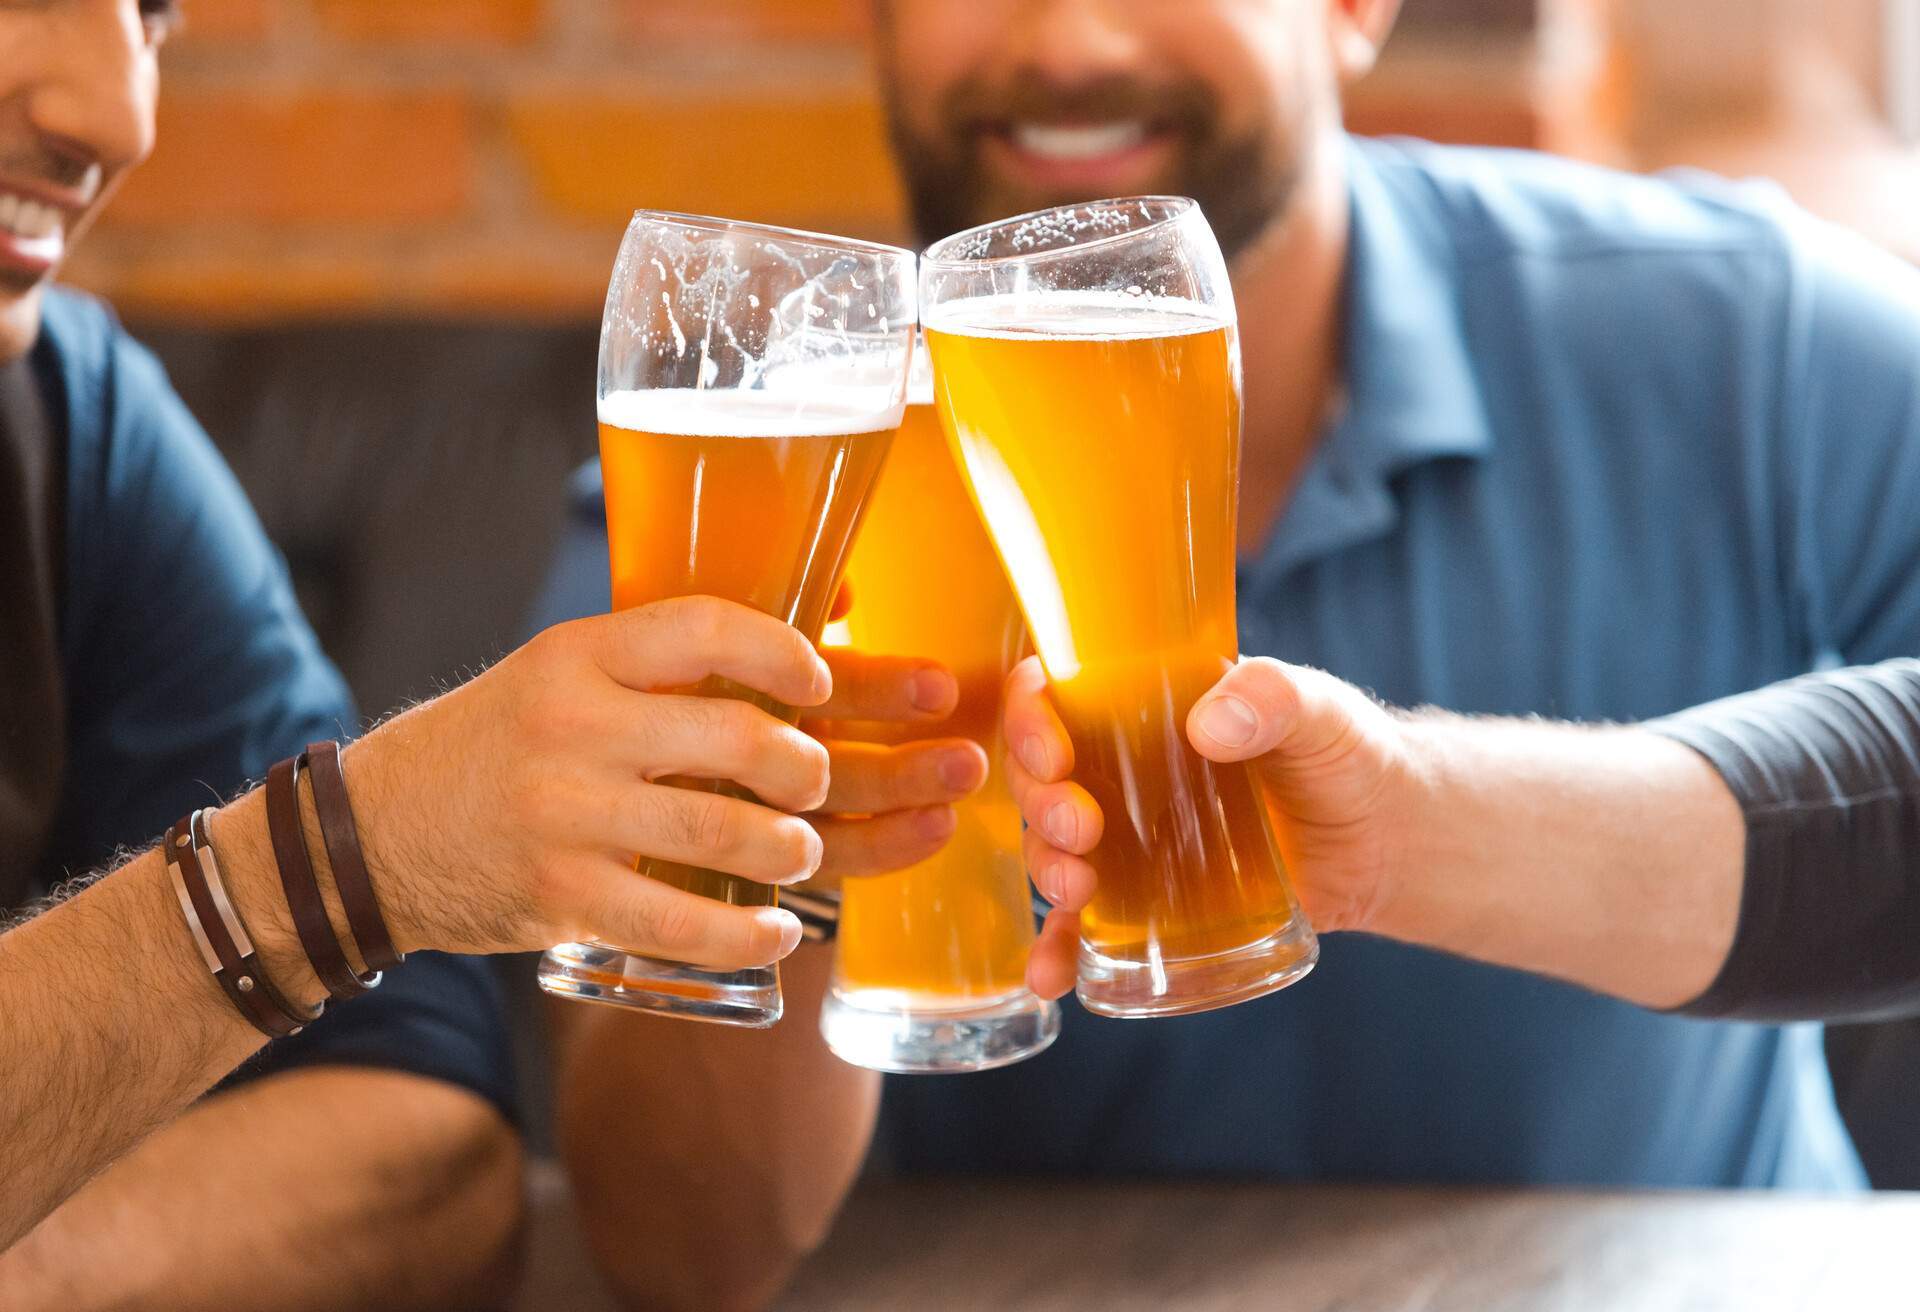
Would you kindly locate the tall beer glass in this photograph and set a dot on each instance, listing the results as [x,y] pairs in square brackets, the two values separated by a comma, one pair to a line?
[931,962]
[1087,366]
[750,383]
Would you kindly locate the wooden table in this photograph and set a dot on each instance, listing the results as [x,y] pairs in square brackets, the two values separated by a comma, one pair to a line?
[945,1246]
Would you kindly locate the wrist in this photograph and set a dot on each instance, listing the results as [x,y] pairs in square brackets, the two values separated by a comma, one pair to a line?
[1412,820]
[378,802]
[243,848]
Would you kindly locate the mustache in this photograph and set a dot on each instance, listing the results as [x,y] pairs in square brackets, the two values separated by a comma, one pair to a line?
[65,172]
[1181,105]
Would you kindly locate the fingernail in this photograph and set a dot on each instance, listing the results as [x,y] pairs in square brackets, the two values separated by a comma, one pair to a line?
[932,691]
[1033,755]
[1062,825]
[934,822]
[822,680]
[1228,721]
[960,770]
[783,923]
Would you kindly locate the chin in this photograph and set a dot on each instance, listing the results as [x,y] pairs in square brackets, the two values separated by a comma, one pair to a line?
[19,321]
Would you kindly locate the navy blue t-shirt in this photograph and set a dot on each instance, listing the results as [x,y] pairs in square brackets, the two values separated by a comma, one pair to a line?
[189,669]
[1611,446]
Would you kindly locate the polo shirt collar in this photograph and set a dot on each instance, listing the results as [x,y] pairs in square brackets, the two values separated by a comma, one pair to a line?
[1411,391]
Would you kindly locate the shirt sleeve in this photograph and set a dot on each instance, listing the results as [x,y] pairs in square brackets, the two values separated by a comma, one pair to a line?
[1826,769]
[191,669]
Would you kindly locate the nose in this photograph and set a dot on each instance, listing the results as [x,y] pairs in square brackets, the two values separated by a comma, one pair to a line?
[1073,41]
[94,99]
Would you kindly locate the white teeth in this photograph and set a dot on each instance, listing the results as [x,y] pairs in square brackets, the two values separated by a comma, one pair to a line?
[28,218]
[1053,141]
[35,220]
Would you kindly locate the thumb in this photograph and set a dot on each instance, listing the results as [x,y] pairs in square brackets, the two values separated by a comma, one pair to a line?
[1262,705]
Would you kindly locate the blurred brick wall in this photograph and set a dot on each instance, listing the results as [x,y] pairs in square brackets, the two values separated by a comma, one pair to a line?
[451,157]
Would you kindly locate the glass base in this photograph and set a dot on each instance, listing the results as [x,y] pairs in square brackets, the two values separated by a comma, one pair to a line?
[592,973]
[1159,986]
[886,1030]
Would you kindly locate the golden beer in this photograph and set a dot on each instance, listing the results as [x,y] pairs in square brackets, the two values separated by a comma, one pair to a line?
[726,495]
[1100,440]
[926,582]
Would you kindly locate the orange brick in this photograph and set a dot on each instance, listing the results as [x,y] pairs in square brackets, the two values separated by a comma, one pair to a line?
[305,158]
[735,20]
[242,290]
[227,20]
[466,22]
[821,161]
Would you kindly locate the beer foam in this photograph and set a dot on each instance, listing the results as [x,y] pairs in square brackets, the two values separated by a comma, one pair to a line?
[1099,316]
[733,412]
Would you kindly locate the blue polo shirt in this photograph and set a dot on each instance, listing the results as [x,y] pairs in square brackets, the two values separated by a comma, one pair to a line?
[1611,447]
[189,669]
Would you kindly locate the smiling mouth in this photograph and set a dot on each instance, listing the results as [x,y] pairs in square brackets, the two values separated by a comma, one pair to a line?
[29,220]
[1078,142]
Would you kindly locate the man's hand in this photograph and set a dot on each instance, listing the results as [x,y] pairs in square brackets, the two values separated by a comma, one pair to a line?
[1334,764]
[505,815]
[888,807]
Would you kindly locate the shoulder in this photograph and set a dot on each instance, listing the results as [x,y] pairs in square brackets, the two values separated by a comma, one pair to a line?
[1496,205]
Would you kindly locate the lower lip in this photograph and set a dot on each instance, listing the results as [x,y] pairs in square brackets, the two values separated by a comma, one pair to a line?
[1131,169]
[35,256]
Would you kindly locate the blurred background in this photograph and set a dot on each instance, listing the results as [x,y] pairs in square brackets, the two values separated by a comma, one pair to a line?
[373,243]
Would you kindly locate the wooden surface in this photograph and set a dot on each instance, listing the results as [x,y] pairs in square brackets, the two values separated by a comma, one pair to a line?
[931,1247]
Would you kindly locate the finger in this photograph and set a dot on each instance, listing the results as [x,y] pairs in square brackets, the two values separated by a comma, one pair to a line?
[1065,813]
[1034,732]
[717,738]
[842,602]
[645,916]
[709,831]
[1055,958]
[867,778]
[882,844]
[1262,705]
[677,643]
[1063,879]
[867,686]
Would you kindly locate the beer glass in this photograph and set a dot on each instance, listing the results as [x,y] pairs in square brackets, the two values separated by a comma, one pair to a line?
[750,383]
[930,963]
[1087,367]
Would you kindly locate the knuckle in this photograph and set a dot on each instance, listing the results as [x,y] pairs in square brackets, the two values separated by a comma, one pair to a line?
[709,824]
[675,924]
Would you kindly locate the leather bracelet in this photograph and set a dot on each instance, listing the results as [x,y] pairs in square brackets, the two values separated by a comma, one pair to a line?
[217,929]
[297,880]
[342,838]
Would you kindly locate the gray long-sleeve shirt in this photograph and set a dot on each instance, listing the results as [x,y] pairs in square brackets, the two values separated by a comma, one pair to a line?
[1827,770]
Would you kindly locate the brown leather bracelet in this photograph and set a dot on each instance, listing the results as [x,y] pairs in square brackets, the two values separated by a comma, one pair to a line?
[342,838]
[220,935]
[310,919]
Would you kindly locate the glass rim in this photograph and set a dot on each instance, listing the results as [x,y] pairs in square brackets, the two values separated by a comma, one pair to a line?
[1178,208]
[797,236]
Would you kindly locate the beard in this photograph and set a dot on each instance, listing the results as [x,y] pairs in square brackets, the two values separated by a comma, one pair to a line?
[1244,183]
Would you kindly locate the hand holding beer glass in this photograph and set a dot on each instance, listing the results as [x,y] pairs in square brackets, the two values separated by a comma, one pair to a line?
[750,383]
[1086,364]
[930,962]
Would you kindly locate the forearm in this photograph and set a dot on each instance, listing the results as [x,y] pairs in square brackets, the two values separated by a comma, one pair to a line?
[743,1143]
[290,1186]
[1609,857]
[110,1024]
